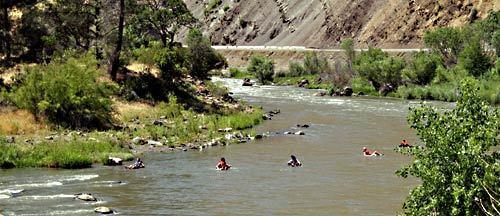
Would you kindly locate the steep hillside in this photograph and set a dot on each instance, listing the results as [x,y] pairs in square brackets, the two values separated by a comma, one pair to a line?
[323,23]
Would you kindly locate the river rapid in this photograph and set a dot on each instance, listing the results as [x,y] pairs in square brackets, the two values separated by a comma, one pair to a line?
[334,180]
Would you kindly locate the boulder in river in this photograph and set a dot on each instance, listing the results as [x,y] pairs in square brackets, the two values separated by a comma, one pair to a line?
[103,210]
[320,94]
[347,91]
[299,133]
[85,197]
[303,83]
[266,117]
[114,161]
[247,82]
[287,132]
[303,125]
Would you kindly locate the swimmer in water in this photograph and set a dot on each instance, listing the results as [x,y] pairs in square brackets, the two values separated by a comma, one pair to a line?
[222,165]
[293,162]
[368,153]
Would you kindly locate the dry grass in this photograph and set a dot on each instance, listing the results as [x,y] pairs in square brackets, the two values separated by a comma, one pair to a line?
[139,68]
[127,111]
[19,122]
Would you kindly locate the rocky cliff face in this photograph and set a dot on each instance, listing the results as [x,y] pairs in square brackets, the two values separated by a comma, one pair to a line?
[324,23]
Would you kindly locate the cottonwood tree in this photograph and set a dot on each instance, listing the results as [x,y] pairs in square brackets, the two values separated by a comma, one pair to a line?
[459,165]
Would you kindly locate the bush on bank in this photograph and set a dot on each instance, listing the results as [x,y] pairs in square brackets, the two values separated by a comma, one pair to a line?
[68,93]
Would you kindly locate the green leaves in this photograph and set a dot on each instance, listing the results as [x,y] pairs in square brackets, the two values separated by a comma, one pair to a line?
[457,157]
[262,67]
[66,93]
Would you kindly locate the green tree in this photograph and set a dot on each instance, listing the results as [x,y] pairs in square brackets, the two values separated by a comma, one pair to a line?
[173,63]
[458,166]
[379,69]
[422,68]
[447,42]
[67,93]
[202,56]
[162,19]
[348,46]
[262,67]
[474,59]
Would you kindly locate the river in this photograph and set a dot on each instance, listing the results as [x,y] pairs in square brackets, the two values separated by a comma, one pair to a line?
[334,180]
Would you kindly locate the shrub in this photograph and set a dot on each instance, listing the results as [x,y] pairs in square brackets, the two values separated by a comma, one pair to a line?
[147,55]
[67,93]
[203,57]
[422,68]
[313,64]
[447,42]
[464,137]
[348,46]
[296,69]
[172,63]
[474,59]
[378,68]
[262,67]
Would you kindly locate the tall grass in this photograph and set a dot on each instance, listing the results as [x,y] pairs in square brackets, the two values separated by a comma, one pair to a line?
[60,154]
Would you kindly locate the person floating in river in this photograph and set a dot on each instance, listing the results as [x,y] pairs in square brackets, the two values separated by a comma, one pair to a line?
[294,162]
[367,152]
[136,165]
[404,143]
[222,165]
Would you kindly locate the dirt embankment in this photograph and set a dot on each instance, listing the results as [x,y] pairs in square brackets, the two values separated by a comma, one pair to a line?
[324,23]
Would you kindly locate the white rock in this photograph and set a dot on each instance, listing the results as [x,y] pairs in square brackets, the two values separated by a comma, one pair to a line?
[154,143]
[114,161]
[103,210]
[300,133]
[85,197]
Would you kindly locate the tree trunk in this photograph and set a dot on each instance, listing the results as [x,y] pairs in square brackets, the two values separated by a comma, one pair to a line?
[172,37]
[163,38]
[98,48]
[115,57]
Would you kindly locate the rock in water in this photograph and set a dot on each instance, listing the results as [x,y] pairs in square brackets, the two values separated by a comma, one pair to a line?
[114,161]
[347,91]
[300,133]
[247,82]
[103,210]
[85,197]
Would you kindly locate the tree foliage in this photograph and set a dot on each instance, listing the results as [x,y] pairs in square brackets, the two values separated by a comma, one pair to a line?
[67,93]
[350,54]
[262,67]
[421,70]
[447,42]
[458,166]
[474,59]
[162,18]
[202,56]
[379,68]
